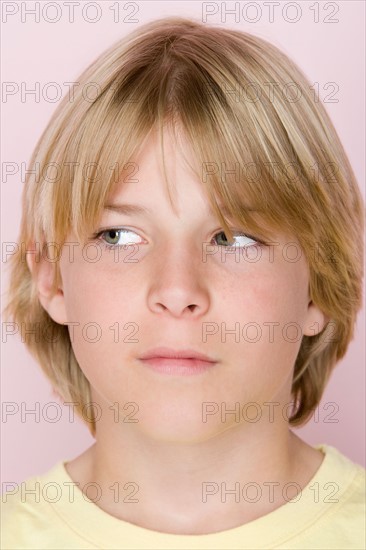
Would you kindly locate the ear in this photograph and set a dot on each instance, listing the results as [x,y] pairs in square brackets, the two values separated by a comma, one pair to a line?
[315,320]
[44,271]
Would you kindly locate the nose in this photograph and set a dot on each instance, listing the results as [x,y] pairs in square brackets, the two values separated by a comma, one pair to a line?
[178,285]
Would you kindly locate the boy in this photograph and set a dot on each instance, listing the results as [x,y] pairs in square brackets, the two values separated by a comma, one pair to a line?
[231,284]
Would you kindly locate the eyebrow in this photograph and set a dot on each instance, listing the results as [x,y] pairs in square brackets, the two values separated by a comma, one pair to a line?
[135,209]
[127,209]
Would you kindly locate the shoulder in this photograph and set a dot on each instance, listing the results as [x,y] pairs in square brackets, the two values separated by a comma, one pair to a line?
[21,509]
[347,476]
[342,490]
[28,518]
[348,471]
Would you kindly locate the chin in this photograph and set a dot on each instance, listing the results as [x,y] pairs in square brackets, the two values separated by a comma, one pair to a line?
[179,429]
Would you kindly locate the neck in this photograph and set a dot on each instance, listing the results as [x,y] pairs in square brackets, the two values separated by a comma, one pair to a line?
[234,477]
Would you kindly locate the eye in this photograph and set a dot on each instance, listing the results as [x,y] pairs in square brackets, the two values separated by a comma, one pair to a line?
[241,240]
[121,237]
[114,237]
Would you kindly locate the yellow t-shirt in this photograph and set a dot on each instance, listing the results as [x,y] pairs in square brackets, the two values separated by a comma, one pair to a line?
[329,513]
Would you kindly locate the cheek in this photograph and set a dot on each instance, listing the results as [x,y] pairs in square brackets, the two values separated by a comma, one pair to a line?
[267,297]
[272,288]
[270,311]
[97,291]
[101,315]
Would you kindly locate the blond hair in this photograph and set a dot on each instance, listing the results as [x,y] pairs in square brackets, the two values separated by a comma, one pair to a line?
[214,83]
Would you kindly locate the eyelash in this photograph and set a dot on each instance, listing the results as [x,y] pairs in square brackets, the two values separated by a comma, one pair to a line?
[98,234]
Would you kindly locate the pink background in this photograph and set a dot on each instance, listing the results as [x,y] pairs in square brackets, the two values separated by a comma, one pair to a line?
[57,52]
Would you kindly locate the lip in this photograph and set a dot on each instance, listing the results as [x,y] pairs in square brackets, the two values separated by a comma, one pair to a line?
[176,354]
[178,362]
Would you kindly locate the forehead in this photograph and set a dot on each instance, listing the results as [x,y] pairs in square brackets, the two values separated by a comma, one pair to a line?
[170,161]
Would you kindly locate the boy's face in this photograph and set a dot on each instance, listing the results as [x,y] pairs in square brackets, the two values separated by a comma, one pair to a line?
[165,291]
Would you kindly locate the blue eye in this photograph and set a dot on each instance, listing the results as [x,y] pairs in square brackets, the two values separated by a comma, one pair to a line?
[122,237]
[118,237]
[242,240]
